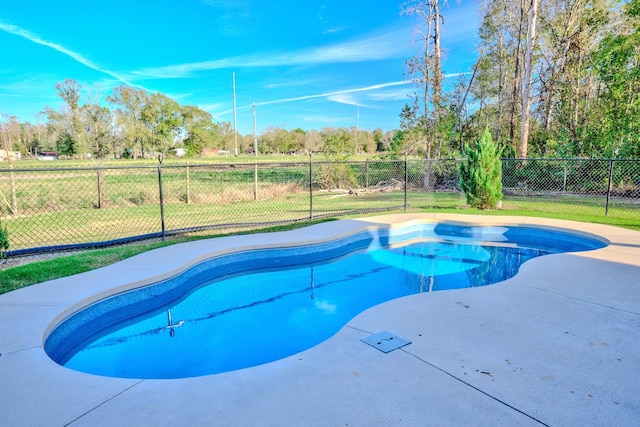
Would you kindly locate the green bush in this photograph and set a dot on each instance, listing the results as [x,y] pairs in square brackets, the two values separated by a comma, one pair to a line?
[336,175]
[4,241]
[140,199]
[481,174]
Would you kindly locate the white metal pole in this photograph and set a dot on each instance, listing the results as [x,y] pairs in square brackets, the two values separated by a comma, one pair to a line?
[235,124]
[255,131]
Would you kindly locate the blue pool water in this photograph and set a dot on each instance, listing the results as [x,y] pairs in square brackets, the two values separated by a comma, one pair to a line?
[250,308]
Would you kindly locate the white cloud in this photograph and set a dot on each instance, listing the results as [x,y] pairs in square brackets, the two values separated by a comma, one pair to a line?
[450,75]
[337,96]
[334,30]
[290,83]
[334,94]
[210,107]
[344,98]
[25,34]
[403,93]
[391,95]
[374,48]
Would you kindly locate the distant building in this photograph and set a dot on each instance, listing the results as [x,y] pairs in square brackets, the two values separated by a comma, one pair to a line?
[47,155]
[180,152]
[206,152]
[13,155]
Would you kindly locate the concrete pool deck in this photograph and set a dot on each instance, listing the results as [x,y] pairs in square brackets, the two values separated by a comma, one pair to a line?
[558,344]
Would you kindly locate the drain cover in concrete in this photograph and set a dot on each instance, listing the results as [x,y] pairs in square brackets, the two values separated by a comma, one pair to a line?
[385,341]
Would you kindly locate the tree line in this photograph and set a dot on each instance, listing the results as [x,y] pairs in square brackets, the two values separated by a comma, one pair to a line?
[141,124]
[553,78]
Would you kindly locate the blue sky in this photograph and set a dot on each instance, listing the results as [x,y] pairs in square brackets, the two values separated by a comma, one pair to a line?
[308,64]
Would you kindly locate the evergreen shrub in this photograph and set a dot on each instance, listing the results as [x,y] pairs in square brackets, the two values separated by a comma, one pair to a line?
[481,174]
[4,241]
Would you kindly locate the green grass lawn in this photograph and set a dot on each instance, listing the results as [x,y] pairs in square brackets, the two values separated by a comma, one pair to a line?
[173,160]
[76,203]
[40,271]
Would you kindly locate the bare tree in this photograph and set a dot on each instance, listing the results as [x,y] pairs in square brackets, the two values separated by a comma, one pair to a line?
[426,69]
[526,82]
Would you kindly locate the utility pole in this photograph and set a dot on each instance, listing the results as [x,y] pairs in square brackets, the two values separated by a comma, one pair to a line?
[235,125]
[255,131]
[357,131]
[255,153]
[7,146]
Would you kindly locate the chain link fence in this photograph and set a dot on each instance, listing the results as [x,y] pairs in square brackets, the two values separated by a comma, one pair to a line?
[587,186]
[54,209]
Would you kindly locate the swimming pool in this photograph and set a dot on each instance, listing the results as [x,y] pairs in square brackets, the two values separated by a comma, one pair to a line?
[248,308]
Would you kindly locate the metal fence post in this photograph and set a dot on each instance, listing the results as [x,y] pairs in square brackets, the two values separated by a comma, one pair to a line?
[255,182]
[366,179]
[161,196]
[14,200]
[100,190]
[188,188]
[606,209]
[406,180]
[310,187]
[545,185]
[222,186]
